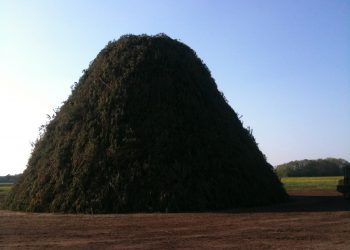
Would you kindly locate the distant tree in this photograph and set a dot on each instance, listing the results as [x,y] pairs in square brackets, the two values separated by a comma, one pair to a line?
[9,178]
[319,167]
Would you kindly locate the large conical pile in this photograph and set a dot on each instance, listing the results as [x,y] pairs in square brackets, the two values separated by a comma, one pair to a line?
[145,129]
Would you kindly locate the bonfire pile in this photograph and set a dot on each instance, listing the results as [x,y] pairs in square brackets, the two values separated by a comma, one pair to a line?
[145,129]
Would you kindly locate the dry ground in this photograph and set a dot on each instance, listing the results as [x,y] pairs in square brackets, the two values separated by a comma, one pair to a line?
[311,220]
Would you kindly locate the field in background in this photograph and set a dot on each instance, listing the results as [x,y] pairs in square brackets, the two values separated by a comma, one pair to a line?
[4,189]
[311,183]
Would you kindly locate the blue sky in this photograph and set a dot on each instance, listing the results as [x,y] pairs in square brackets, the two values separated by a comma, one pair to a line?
[283,65]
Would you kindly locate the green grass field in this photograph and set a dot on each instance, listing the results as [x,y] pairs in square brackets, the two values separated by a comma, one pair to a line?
[4,189]
[311,183]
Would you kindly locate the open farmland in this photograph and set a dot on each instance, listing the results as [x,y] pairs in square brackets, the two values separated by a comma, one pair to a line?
[311,183]
[312,219]
[4,189]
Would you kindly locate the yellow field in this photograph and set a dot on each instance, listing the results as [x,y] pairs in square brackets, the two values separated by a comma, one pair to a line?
[311,183]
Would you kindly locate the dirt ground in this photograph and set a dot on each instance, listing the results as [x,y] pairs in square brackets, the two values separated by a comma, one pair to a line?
[311,220]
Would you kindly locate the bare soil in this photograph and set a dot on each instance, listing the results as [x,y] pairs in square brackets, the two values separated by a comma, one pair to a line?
[310,220]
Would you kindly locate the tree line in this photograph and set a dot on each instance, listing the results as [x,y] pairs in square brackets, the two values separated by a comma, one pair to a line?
[9,178]
[306,168]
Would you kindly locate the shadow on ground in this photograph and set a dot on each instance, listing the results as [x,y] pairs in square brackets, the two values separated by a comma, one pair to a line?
[305,201]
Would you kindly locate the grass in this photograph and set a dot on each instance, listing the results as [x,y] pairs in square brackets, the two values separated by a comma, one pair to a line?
[311,183]
[5,187]
[4,190]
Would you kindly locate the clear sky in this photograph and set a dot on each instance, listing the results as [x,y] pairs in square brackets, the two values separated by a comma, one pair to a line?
[284,65]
